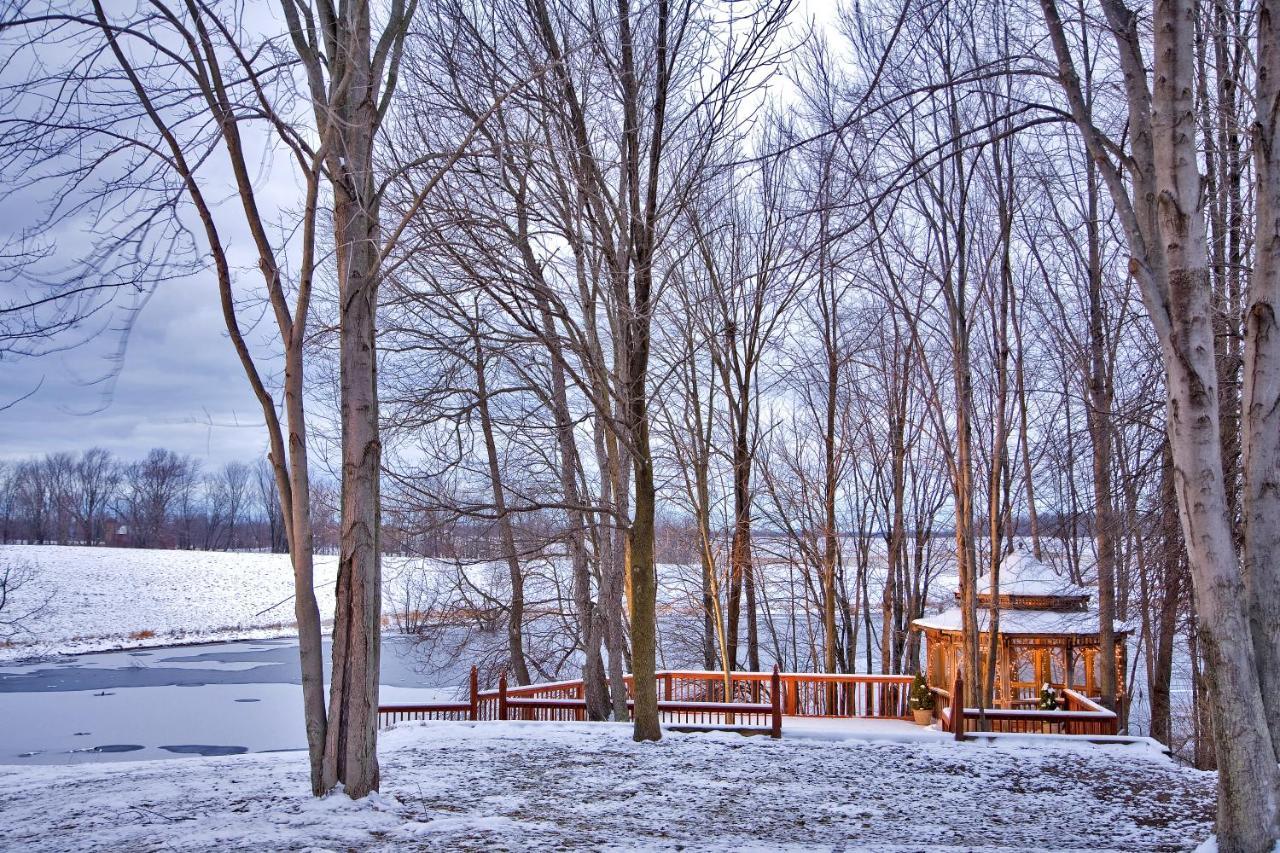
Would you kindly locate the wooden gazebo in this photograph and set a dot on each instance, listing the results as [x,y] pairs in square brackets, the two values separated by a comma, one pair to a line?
[1048,634]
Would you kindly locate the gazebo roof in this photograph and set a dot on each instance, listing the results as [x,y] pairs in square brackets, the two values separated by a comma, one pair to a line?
[1024,622]
[1021,574]
[1034,601]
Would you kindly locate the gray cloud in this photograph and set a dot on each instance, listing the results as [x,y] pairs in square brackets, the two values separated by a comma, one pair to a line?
[180,386]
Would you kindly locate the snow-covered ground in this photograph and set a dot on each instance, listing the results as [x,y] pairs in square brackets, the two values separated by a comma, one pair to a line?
[827,784]
[124,598]
[505,786]
[111,598]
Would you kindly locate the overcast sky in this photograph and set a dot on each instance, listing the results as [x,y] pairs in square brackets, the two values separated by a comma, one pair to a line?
[180,385]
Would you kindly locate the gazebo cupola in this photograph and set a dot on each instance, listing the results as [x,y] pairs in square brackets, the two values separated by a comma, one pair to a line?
[1047,634]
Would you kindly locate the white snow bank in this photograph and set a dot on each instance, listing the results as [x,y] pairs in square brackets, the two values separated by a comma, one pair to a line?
[124,598]
[108,598]
[503,786]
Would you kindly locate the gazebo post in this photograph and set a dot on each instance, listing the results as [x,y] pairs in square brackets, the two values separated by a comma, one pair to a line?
[1004,697]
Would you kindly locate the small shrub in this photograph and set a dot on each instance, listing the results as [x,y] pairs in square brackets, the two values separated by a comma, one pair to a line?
[146,634]
[921,698]
[1048,699]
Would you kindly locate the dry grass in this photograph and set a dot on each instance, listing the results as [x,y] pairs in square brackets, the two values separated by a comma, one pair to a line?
[146,634]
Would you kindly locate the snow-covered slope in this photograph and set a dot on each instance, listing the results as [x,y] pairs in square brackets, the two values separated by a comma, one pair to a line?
[103,598]
[513,786]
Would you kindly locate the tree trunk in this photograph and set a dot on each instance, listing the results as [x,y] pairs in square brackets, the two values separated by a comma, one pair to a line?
[506,536]
[613,567]
[831,535]
[1161,669]
[589,621]
[1248,779]
[1261,400]
[352,757]
[1165,227]
[1101,431]
[351,754]
[294,488]
[643,594]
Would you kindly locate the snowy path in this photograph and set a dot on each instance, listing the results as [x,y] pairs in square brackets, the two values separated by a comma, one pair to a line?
[506,786]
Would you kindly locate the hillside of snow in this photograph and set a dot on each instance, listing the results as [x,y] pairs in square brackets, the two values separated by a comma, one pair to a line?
[512,786]
[107,598]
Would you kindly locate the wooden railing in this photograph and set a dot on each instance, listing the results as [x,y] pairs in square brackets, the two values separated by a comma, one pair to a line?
[757,701]
[565,701]
[1082,716]
[469,710]
[804,694]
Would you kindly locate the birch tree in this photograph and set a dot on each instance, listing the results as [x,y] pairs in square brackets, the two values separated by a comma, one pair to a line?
[1156,188]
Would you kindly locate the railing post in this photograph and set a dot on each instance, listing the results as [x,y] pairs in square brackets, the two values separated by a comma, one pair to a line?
[775,689]
[502,696]
[474,713]
[957,706]
[666,686]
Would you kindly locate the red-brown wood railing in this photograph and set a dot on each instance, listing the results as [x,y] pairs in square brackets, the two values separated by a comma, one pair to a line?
[566,701]
[1082,716]
[758,700]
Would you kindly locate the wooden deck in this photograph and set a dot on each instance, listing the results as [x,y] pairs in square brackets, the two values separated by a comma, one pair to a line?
[758,703]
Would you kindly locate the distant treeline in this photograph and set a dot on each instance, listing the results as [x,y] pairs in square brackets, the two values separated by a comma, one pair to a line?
[170,500]
[163,500]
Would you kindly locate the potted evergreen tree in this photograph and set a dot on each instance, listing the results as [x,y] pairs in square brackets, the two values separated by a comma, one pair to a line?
[1049,702]
[921,700]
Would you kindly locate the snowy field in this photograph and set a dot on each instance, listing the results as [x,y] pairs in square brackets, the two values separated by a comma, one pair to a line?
[125,598]
[111,598]
[509,786]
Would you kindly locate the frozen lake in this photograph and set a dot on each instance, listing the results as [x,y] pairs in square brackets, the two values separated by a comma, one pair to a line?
[214,699]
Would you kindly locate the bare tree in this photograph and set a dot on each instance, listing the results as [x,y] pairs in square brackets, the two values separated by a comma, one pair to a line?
[231,490]
[19,609]
[218,97]
[1162,210]
[152,490]
[97,476]
[269,500]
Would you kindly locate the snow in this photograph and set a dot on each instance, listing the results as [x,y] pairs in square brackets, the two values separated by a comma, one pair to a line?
[1023,621]
[73,727]
[101,596]
[1210,845]
[124,706]
[861,728]
[505,786]
[1022,574]
[847,784]
[126,598]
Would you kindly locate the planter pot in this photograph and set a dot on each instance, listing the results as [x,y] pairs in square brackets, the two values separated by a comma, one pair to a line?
[924,716]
